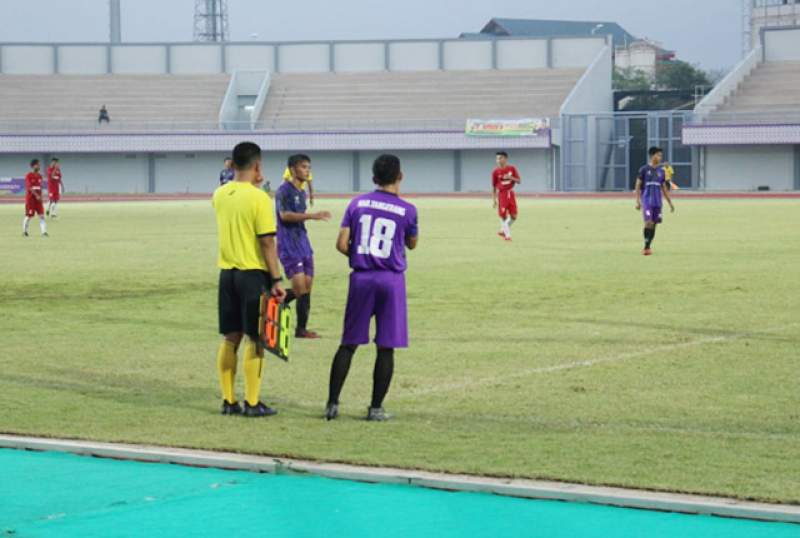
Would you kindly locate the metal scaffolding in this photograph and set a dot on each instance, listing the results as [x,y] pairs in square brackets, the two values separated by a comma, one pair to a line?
[211,20]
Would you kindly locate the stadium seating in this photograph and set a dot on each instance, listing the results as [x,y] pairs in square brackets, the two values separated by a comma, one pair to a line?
[54,100]
[414,98]
[770,88]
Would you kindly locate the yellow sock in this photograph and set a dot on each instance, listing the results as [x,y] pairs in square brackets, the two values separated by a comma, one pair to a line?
[253,365]
[226,366]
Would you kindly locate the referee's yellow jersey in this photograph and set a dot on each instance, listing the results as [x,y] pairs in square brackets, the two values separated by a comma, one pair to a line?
[244,213]
[287,176]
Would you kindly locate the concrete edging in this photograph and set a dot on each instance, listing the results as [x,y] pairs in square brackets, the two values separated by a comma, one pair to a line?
[529,489]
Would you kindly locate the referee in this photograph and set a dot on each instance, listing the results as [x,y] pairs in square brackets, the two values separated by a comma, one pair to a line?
[248,260]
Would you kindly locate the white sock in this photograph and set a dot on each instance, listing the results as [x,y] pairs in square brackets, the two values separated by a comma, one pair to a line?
[511,222]
[507,227]
[42,225]
[53,208]
[25,222]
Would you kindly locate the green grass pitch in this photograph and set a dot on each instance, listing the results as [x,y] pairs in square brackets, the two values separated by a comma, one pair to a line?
[564,355]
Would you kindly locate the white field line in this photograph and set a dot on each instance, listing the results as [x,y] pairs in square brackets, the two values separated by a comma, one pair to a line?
[586,363]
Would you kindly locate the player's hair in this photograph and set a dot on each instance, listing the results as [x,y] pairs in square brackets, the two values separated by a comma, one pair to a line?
[386,170]
[653,150]
[34,162]
[296,159]
[54,160]
[502,154]
[245,155]
[228,158]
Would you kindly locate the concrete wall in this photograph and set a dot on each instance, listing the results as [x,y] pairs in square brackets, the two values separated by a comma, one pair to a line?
[322,56]
[239,57]
[522,54]
[748,167]
[143,59]
[27,59]
[190,59]
[82,60]
[782,45]
[425,171]
[477,167]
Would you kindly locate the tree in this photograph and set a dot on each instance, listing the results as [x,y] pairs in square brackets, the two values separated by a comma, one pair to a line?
[678,75]
[631,79]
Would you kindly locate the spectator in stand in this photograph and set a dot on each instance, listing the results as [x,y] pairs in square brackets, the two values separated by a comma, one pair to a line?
[103,117]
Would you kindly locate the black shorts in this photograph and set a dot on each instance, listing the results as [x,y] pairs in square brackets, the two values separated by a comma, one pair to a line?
[240,300]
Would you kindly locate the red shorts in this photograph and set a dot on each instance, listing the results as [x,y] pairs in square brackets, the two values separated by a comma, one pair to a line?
[33,207]
[507,204]
[54,195]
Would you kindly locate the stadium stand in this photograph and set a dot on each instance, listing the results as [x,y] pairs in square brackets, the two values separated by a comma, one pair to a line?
[331,98]
[771,87]
[131,99]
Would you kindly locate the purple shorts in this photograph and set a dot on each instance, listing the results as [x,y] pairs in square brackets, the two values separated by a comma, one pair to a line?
[295,267]
[651,214]
[381,294]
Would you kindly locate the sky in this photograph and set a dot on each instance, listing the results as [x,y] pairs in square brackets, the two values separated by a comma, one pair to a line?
[703,32]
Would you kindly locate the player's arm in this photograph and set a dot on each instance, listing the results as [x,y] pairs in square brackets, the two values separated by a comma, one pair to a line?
[291,216]
[638,193]
[494,192]
[343,241]
[311,193]
[269,250]
[665,192]
[411,242]
[515,176]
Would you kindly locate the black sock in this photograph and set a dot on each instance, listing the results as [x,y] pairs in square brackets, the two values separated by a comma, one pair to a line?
[649,234]
[382,376]
[339,369]
[303,310]
[290,296]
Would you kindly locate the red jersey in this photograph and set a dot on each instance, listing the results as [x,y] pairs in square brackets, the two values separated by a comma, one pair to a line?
[53,178]
[33,185]
[498,178]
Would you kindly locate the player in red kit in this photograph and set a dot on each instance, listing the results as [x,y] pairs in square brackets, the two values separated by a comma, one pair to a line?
[33,199]
[54,187]
[504,178]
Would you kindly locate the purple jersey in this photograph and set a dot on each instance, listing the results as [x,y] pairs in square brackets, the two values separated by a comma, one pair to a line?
[380,223]
[226,175]
[652,180]
[293,243]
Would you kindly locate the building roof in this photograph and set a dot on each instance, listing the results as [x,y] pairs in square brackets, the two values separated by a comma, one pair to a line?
[555,28]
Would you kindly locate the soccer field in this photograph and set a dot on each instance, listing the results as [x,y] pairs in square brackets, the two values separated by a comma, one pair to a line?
[564,355]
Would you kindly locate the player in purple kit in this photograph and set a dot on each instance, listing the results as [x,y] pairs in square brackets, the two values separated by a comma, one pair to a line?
[650,187]
[376,229]
[294,248]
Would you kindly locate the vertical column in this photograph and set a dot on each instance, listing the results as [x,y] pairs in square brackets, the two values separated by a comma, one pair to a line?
[331,57]
[223,60]
[55,59]
[1,60]
[441,56]
[387,56]
[151,173]
[356,171]
[109,60]
[114,22]
[457,170]
[276,58]
[168,59]
[549,53]
[797,168]
[494,53]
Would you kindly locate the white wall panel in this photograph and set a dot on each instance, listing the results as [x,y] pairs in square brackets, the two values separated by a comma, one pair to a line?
[82,60]
[191,59]
[143,59]
[782,45]
[575,52]
[414,56]
[477,167]
[359,57]
[467,55]
[735,168]
[517,54]
[27,60]
[306,58]
[249,57]
[188,173]
[424,171]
